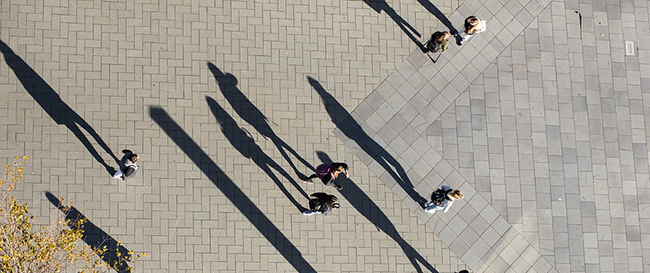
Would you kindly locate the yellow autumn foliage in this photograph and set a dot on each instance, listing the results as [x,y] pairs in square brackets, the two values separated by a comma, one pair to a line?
[52,248]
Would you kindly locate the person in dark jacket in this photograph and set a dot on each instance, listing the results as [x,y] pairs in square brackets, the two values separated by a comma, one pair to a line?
[128,168]
[321,203]
[442,199]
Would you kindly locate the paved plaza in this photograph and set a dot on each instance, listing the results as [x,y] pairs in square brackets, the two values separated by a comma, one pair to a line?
[540,121]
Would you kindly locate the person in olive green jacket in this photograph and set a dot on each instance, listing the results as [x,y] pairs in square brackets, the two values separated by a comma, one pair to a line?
[438,42]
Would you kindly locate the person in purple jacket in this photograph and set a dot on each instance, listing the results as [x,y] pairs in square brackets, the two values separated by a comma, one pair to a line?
[328,174]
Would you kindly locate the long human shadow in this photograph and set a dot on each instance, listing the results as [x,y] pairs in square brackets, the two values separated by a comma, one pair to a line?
[249,112]
[364,205]
[230,190]
[348,126]
[245,144]
[438,14]
[51,102]
[379,5]
[107,248]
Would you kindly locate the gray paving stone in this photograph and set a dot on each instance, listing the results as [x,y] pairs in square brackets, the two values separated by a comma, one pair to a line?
[396,79]
[271,78]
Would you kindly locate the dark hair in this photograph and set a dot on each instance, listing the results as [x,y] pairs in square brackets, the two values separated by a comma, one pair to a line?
[331,201]
[132,156]
[470,24]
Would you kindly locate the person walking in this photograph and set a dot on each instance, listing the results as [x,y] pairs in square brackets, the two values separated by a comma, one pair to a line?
[321,203]
[128,168]
[442,199]
[438,42]
[472,25]
[328,174]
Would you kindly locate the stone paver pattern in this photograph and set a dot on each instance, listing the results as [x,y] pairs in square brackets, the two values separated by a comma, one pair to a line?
[541,122]
[214,192]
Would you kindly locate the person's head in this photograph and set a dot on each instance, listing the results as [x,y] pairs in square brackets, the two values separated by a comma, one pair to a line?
[133,158]
[456,194]
[447,34]
[471,24]
[472,20]
[332,202]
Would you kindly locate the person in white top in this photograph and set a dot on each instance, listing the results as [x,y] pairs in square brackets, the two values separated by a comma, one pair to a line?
[128,168]
[471,26]
[442,199]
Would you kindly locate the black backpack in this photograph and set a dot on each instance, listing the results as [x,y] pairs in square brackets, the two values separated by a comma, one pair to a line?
[315,204]
[439,196]
[432,45]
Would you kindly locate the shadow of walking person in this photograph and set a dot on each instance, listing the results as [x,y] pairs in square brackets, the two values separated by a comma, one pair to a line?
[364,205]
[379,5]
[438,14]
[348,126]
[107,248]
[50,101]
[253,116]
[238,198]
[245,144]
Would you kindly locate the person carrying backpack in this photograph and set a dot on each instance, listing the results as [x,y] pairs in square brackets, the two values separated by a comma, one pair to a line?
[128,168]
[438,42]
[321,203]
[328,174]
[442,198]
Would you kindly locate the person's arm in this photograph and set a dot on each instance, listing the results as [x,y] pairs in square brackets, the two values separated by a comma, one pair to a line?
[482,26]
[327,209]
[129,171]
[448,205]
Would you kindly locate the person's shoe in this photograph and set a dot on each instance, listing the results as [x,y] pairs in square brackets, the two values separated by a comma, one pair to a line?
[308,181]
[123,178]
